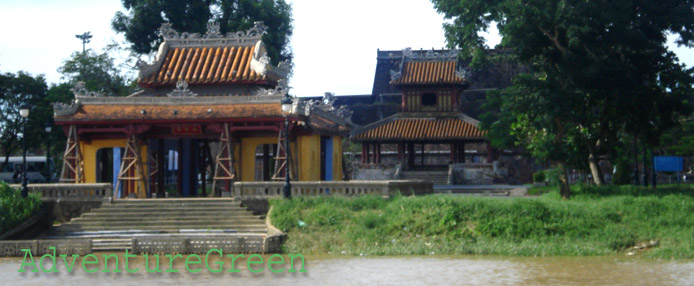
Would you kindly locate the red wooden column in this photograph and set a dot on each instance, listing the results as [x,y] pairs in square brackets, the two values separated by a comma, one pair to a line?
[364,152]
[453,157]
[489,153]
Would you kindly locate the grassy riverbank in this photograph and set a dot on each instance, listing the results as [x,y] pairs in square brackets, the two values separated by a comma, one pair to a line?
[14,209]
[596,221]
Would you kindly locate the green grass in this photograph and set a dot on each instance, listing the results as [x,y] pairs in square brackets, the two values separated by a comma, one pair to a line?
[14,209]
[597,221]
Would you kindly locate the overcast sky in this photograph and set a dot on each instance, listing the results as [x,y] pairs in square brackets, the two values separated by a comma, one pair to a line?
[334,42]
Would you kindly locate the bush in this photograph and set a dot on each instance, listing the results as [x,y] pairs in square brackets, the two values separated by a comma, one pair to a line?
[14,209]
[539,176]
[552,176]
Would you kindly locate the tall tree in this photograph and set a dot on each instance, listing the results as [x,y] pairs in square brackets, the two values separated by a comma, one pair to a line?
[595,68]
[144,17]
[98,71]
[15,91]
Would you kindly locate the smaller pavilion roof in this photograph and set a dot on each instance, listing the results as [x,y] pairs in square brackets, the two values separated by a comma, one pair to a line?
[429,68]
[421,127]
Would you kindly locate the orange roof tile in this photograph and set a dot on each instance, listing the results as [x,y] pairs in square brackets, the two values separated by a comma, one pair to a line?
[428,72]
[204,65]
[172,112]
[420,128]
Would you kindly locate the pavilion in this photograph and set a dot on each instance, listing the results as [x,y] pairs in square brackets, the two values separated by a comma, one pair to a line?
[430,85]
[208,109]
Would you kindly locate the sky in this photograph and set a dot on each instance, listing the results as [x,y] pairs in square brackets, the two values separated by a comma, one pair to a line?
[334,41]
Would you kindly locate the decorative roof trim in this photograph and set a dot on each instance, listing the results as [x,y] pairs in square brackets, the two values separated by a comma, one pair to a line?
[260,63]
[65,109]
[181,90]
[212,37]
[163,100]
[80,90]
[430,55]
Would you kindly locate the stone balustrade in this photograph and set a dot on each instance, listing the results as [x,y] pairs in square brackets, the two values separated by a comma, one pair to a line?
[75,192]
[319,188]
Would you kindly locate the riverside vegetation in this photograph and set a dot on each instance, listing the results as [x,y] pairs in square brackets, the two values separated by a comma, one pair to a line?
[596,221]
[14,209]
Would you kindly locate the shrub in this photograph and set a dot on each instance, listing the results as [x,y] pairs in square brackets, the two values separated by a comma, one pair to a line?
[552,176]
[539,176]
[14,209]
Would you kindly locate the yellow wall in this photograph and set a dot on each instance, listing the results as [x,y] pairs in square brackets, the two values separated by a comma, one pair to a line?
[89,149]
[337,158]
[248,147]
[309,158]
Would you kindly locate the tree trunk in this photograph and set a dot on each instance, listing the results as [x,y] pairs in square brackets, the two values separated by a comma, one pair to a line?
[594,165]
[564,189]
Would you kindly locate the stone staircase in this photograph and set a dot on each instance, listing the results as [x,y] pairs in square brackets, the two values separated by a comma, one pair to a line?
[437,177]
[113,226]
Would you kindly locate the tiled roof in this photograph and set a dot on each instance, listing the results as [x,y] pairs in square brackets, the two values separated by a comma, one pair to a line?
[421,128]
[140,113]
[205,65]
[429,72]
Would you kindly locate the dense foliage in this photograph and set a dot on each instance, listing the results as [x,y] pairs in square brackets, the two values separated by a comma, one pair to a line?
[14,209]
[17,90]
[598,221]
[595,69]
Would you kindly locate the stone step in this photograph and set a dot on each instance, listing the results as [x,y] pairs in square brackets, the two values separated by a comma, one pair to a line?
[178,218]
[234,221]
[129,234]
[184,213]
[165,209]
[229,225]
[164,232]
[173,206]
[72,228]
[175,200]
[112,244]
[437,177]
[190,205]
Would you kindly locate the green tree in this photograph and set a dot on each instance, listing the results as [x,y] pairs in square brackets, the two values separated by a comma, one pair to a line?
[594,69]
[144,17]
[98,71]
[15,91]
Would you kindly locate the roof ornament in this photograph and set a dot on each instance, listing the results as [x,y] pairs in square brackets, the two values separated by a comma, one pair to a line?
[258,29]
[213,34]
[80,90]
[430,55]
[181,90]
[66,109]
[396,74]
[326,107]
[281,89]
[285,65]
[213,30]
[463,72]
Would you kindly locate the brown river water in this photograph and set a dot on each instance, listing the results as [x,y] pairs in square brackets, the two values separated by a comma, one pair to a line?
[398,270]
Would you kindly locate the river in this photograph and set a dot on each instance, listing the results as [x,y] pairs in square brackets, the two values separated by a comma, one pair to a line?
[399,270]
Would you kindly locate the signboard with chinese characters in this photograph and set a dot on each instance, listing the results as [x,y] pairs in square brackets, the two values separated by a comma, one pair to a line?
[188,129]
